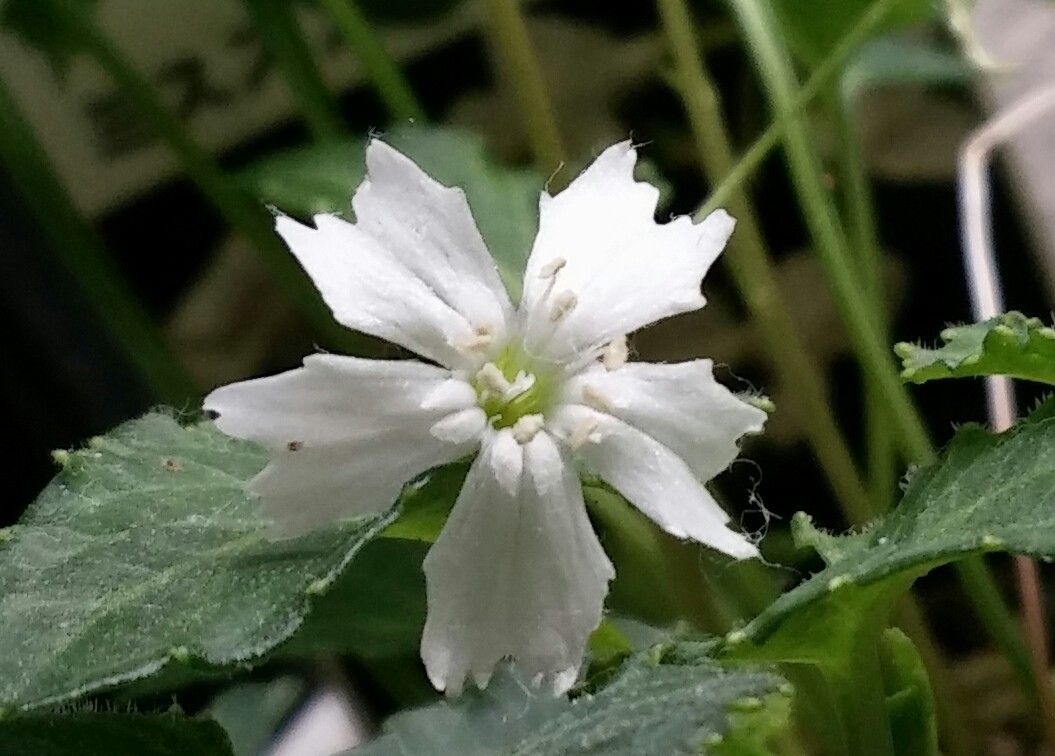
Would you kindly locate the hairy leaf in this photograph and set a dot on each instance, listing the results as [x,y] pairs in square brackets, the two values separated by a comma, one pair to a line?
[112,734]
[504,201]
[1009,344]
[988,493]
[671,699]
[146,549]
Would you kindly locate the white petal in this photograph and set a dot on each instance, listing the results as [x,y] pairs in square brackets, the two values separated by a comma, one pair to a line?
[369,290]
[461,426]
[681,405]
[652,478]
[430,229]
[346,433]
[624,270]
[517,575]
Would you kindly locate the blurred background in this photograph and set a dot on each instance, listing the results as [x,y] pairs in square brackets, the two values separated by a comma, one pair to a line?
[142,143]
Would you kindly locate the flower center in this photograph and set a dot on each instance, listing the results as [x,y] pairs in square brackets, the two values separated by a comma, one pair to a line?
[514,386]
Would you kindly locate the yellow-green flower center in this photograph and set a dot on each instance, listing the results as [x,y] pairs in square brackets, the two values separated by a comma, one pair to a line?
[514,385]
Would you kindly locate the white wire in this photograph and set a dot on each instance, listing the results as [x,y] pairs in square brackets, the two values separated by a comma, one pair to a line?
[979,259]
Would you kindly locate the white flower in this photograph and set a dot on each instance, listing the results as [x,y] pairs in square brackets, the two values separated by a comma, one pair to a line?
[517,571]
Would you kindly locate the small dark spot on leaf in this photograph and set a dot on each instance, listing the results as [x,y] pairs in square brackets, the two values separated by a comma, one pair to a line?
[211,414]
[172,465]
[295,445]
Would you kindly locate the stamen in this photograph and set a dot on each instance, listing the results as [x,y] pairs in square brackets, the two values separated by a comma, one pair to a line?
[520,384]
[491,378]
[594,398]
[552,268]
[527,427]
[616,353]
[482,338]
[584,432]
[564,303]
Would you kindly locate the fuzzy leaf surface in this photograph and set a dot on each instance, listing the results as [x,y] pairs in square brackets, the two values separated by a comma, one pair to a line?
[670,699]
[987,493]
[1009,344]
[147,549]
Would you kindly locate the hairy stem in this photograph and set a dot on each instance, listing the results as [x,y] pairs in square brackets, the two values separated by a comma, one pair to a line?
[381,70]
[81,250]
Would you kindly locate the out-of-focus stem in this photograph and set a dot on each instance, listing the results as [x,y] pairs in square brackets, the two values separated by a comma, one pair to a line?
[768,50]
[754,272]
[384,75]
[276,21]
[859,204]
[821,79]
[236,207]
[81,250]
[512,49]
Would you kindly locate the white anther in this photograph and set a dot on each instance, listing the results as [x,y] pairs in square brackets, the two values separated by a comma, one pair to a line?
[562,305]
[527,427]
[594,398]
[616,353]
[482,338]
[552,268]
[491,378]
[584,432]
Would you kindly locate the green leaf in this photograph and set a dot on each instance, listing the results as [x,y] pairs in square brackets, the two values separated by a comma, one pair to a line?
[815,27]
[670,699]
[112,734]
[909,699]
[1009,344]
[504,201]
[375,610]
[987,493]
[147,550]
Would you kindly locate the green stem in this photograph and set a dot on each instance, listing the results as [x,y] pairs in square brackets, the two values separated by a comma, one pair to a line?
[244,215]
[774,63]
[512,48]
[279,30]
[384,75]
[857,193]
[858,693]
[754,273]
[820,80]
[81,250]
[760,30]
